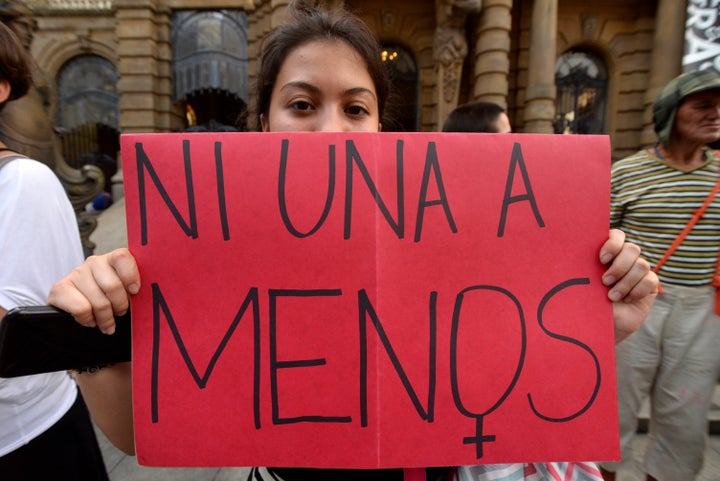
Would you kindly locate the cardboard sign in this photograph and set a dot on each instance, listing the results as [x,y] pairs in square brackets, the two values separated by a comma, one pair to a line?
[370,300]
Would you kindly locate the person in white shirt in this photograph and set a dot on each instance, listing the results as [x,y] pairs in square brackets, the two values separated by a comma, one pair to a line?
[45,428]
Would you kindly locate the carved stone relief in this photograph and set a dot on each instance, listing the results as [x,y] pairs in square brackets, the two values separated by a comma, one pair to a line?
[450,48]
[26,127]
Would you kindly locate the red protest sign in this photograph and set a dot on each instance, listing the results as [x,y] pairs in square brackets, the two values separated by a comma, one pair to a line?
[370,300]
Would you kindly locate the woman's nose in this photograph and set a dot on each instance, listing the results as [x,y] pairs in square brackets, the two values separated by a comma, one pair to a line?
[332,121]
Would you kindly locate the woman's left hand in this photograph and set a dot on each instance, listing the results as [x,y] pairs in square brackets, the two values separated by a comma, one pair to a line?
[633,285]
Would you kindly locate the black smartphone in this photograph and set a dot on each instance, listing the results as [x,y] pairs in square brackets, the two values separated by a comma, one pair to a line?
[37,339]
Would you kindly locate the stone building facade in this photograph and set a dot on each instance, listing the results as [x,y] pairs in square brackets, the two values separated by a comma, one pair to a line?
[573,66]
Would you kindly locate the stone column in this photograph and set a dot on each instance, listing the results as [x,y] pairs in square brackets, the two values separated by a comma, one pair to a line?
[144,66]
[492,47]
[450,49]
[540,93]
[666,59]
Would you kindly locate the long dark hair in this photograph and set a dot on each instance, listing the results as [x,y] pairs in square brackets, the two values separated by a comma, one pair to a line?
[306,24]
[15,66]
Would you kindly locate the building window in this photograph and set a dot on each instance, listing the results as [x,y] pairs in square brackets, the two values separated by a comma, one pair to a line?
[210,67]
[402,106]
[581,80]
[88,114]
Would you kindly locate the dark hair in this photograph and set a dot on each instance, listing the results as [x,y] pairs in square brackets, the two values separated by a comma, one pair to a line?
[473,117]
[14,64]
[306,24]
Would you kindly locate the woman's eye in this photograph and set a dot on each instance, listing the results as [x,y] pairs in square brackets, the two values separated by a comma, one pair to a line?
[300,105]
[356,110]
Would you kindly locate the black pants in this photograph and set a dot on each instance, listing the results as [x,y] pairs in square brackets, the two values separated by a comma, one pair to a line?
[68,451]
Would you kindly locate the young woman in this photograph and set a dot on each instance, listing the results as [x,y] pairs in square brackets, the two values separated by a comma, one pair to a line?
[45,429]
[321,71]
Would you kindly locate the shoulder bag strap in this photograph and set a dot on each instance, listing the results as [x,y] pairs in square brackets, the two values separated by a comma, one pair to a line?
[681,236]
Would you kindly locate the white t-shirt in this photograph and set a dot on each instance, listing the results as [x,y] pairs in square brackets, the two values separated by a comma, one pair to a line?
[39,244]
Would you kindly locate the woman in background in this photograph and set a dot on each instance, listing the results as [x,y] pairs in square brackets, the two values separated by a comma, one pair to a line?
[45,429]
[320,71]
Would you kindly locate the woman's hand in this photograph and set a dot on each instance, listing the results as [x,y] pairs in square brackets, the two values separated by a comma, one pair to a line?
[633,285]
[94,293]
[98,290]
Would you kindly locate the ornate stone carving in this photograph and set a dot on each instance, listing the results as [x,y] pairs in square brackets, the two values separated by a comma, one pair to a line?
[589,25]
[72,4]
[450,47]
[26,127]
[450,51]
[388,21]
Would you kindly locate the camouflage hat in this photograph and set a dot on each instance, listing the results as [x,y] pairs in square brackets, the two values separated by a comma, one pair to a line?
[672,95]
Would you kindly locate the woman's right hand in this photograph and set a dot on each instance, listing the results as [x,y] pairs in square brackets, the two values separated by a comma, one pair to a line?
[98,290]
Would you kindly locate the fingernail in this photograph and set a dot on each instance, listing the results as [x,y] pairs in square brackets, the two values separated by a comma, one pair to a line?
[609,280]
[607,257]
[110,330]
[133,288]
[615,295]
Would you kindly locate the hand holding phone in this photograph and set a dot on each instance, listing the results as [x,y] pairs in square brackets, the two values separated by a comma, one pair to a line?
[38,339]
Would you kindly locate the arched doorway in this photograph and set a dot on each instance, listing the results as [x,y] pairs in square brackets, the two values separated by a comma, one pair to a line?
[581,79]
[210,63]
[402,107]
[87,114]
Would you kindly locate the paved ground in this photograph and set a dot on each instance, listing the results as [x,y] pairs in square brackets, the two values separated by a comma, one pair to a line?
[111,234]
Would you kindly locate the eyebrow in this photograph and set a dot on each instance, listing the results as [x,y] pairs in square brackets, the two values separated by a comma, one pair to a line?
[315,90]
[301,85]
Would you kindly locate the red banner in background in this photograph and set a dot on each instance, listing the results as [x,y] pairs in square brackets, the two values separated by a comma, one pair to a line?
[370,300]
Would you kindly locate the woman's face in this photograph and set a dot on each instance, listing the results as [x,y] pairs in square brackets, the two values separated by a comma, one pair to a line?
[698,117]
[323,86]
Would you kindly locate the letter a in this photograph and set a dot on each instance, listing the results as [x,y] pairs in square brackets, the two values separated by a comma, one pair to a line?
[518,160]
